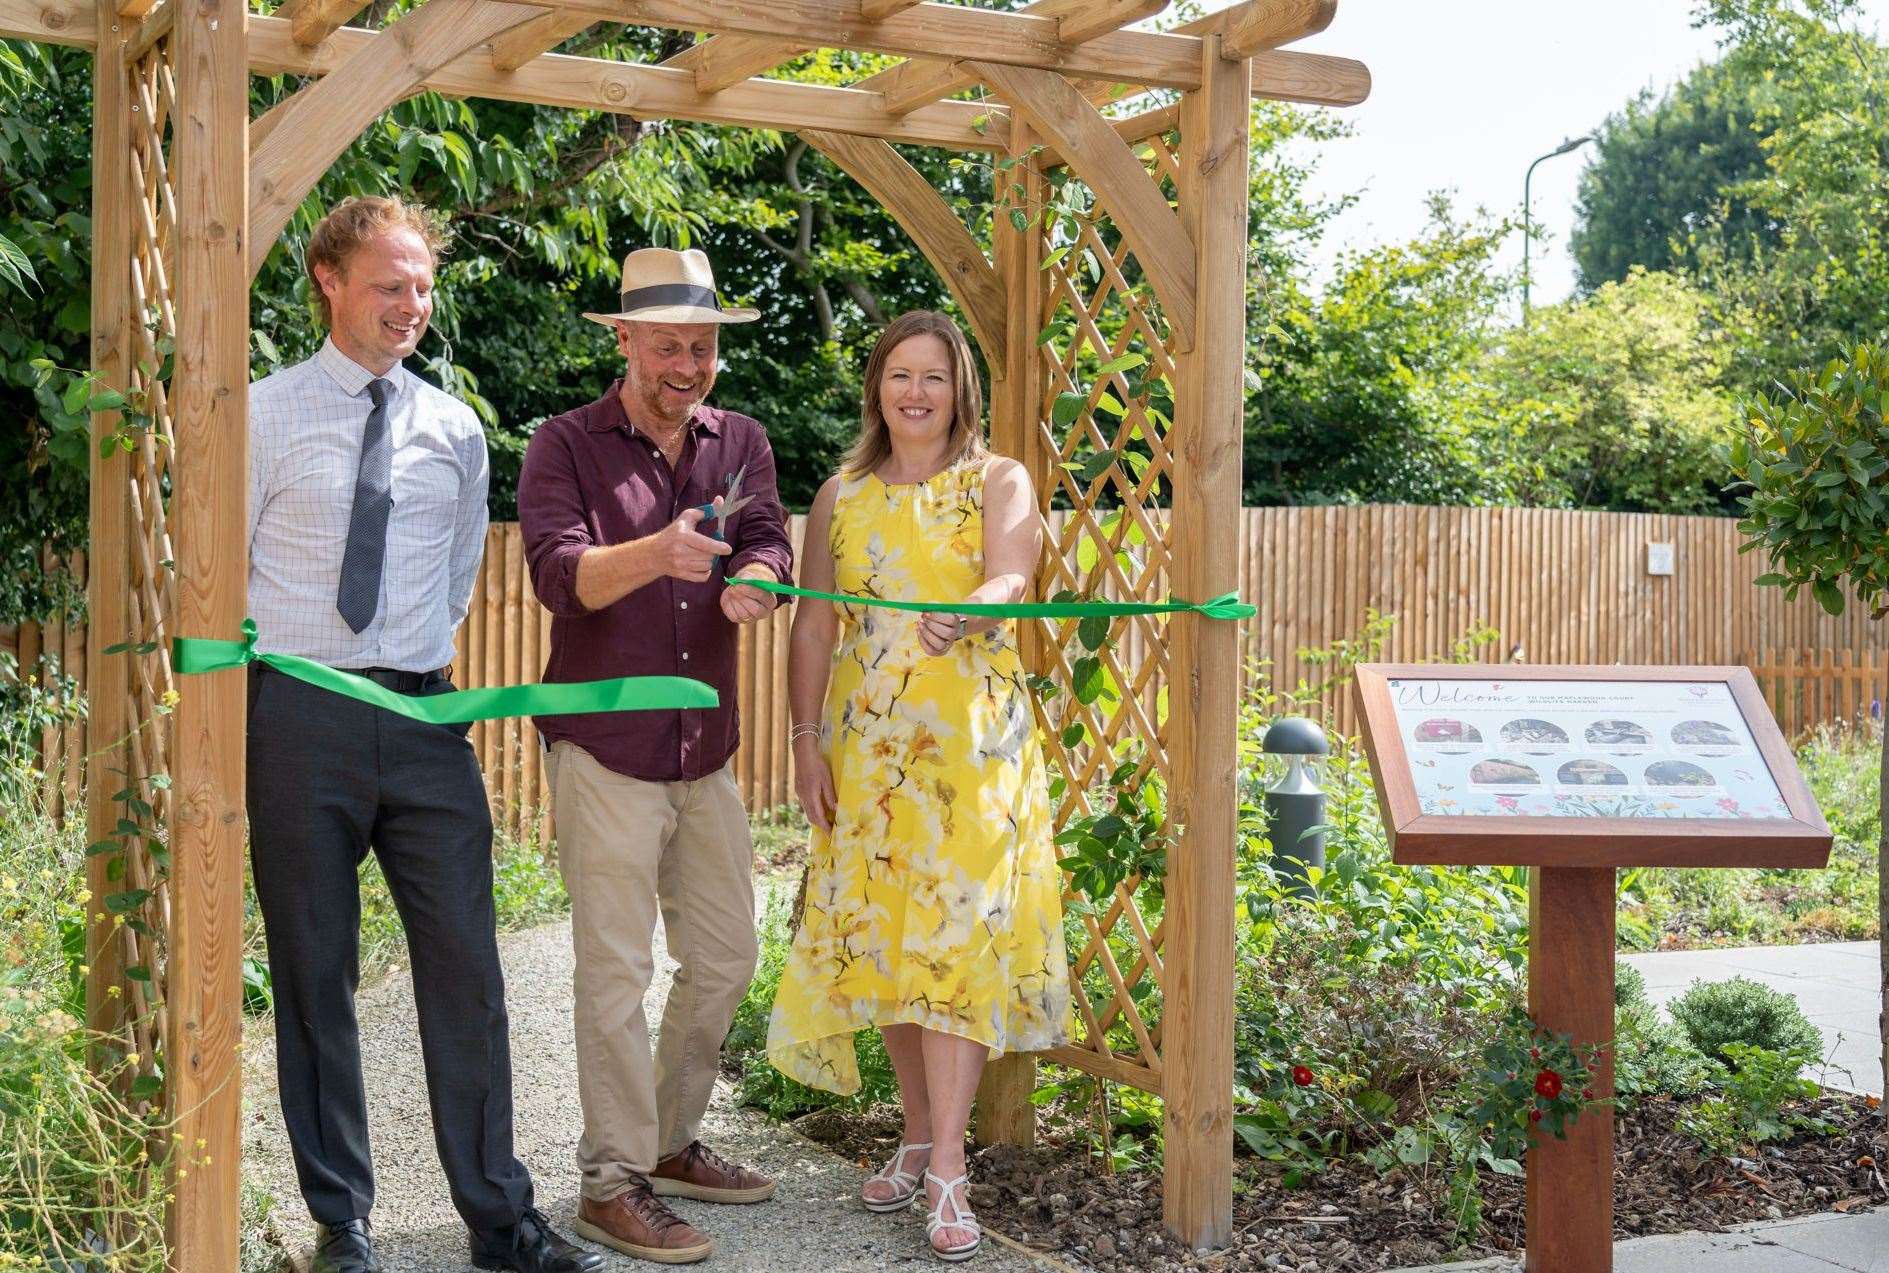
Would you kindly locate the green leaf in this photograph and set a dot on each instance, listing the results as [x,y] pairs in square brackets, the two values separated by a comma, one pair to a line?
[1124,363]
[1828,595]
[15,266]
[146,1087]
[1073,735]
[1066,408]
[1087,680]
[126,902]
[1093,631]
[1019,220]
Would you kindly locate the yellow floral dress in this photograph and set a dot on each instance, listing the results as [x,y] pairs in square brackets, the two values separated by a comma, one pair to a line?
[937,899]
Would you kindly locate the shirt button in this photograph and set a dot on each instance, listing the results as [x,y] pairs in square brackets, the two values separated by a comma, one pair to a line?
[685,656]
[685,605]
[653,454]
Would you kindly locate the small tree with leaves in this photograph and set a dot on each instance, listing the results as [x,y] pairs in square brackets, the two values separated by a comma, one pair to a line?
[1814,458]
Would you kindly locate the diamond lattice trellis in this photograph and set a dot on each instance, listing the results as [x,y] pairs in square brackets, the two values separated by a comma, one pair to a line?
[139,912]
[1109,345]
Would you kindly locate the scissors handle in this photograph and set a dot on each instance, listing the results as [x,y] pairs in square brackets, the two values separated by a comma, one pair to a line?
[708,516]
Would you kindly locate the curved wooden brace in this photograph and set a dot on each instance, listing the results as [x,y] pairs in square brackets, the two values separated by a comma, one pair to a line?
[308,133]
[934,227]
[1092,149]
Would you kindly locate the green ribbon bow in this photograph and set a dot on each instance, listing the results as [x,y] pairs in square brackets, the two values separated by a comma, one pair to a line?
[191,655]
[1225,606]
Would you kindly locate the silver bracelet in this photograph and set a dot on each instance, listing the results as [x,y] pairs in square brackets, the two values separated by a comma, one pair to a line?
[795,733]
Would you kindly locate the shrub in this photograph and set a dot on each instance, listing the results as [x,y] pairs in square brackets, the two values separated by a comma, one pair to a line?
[1717,1014]
[1653,1057]
[1629,986]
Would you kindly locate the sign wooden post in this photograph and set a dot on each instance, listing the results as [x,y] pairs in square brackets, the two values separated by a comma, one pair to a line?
[1573,772]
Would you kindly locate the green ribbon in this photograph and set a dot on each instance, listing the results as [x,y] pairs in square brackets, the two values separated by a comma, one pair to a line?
[190,655]
[1225,606]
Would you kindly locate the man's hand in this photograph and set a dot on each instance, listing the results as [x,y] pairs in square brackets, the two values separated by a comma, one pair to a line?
[683,552]
[745,605]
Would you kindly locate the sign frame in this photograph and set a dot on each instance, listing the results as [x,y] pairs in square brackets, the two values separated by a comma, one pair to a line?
[1419,839]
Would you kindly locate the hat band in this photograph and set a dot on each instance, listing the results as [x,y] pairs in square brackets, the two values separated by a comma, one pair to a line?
[670,294]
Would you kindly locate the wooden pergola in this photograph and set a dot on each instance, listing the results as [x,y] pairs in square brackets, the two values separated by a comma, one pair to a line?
[190,195]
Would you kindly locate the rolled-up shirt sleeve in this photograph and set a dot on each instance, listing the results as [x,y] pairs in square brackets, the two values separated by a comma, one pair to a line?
[553,520]
[761,536]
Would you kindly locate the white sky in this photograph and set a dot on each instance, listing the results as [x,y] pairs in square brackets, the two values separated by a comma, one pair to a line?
[1465,93]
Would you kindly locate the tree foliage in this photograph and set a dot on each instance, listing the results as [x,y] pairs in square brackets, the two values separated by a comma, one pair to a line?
[1668,174]
[1622,391]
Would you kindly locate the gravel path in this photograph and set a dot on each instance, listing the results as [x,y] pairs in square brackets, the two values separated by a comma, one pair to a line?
[814,1223]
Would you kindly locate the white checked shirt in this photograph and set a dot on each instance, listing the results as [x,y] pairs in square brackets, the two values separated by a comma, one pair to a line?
[306,424]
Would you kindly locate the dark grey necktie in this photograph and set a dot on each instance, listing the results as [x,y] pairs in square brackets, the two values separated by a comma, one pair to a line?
[359,595]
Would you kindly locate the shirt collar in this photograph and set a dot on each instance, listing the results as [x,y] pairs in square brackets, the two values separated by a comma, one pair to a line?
[352,376]
[607,413]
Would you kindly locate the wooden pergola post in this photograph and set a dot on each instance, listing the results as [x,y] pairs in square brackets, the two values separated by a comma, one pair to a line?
[210,395]
[1203,701]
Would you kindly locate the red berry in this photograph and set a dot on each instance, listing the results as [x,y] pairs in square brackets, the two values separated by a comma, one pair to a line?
[1302,1076]
[1534,1116]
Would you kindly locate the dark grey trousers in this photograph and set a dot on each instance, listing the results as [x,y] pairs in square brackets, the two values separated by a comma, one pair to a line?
[330,778]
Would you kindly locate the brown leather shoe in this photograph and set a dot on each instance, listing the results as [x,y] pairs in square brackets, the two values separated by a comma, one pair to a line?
[699,1172]
[637,1223]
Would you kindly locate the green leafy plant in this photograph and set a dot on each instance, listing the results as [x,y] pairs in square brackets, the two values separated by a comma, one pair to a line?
[1756,1091]
[1127,839]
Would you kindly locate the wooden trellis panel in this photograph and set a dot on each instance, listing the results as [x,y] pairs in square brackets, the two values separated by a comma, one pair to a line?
[133,598]
[1114,542]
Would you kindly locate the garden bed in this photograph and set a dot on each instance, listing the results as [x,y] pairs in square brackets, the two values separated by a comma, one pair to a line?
[1348,1217]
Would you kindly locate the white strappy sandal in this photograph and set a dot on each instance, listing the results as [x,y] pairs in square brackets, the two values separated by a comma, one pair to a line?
[904,1183]
[961,1218]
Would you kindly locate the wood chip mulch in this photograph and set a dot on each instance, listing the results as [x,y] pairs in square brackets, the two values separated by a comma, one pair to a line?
[1349,1218]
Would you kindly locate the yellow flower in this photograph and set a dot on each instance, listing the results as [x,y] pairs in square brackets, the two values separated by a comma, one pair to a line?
[84,896]
[132,1058]
[170,698]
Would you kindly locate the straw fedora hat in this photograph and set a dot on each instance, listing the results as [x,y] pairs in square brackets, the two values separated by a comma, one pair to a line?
[661,285]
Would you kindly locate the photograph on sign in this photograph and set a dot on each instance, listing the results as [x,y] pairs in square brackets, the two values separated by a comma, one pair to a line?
[1581,749]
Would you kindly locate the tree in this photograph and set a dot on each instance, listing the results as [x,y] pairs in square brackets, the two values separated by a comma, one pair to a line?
[1815,457]
[1631,412]
[1821,280]
[1373,391]
[1665,175]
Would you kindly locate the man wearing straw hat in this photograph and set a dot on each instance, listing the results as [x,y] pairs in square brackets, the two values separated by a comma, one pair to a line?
[612,501]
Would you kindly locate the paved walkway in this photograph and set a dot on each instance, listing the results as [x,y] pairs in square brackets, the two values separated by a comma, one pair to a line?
[1856,1243]
[1838,986]
[814,1223]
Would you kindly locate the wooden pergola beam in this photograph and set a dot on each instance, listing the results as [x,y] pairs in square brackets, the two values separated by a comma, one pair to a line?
[579,83]
[1102,159]
[722,61]
[902,191]
[1015,39]
[540,35]
[316,20]
[323,119]
[1257,25]
[912,84]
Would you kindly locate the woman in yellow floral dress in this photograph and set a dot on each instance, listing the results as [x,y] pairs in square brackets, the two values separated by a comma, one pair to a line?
[933,903]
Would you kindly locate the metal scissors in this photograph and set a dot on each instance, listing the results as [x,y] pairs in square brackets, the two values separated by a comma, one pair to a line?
[733,501]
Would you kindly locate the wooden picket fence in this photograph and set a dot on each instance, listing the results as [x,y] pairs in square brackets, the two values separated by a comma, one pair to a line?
[1808,688]
[1557,586]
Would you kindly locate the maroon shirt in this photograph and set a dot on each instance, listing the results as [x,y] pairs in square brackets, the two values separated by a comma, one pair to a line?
[591,479]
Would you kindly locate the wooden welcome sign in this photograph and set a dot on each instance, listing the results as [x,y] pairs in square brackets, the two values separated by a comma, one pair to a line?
[1572,772]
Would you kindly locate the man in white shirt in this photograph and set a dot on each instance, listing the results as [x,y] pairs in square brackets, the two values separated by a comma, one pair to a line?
[366,521]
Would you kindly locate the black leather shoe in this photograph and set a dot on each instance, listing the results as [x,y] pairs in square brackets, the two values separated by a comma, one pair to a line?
[531,1247]
[344,1248]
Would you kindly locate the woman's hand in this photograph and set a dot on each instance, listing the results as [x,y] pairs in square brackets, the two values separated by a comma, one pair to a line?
[937,632]
[813,783]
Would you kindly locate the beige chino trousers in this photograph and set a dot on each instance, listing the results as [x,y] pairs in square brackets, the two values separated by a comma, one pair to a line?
[627,848]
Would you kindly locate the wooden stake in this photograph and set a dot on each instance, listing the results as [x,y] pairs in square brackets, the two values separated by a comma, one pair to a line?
[211,400]
[1198,1025]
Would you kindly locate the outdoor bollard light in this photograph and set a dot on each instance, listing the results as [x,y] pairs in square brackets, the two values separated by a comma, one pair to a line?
[1295,803]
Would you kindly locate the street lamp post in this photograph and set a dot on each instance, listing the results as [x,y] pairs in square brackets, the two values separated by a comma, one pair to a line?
[1527,221]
